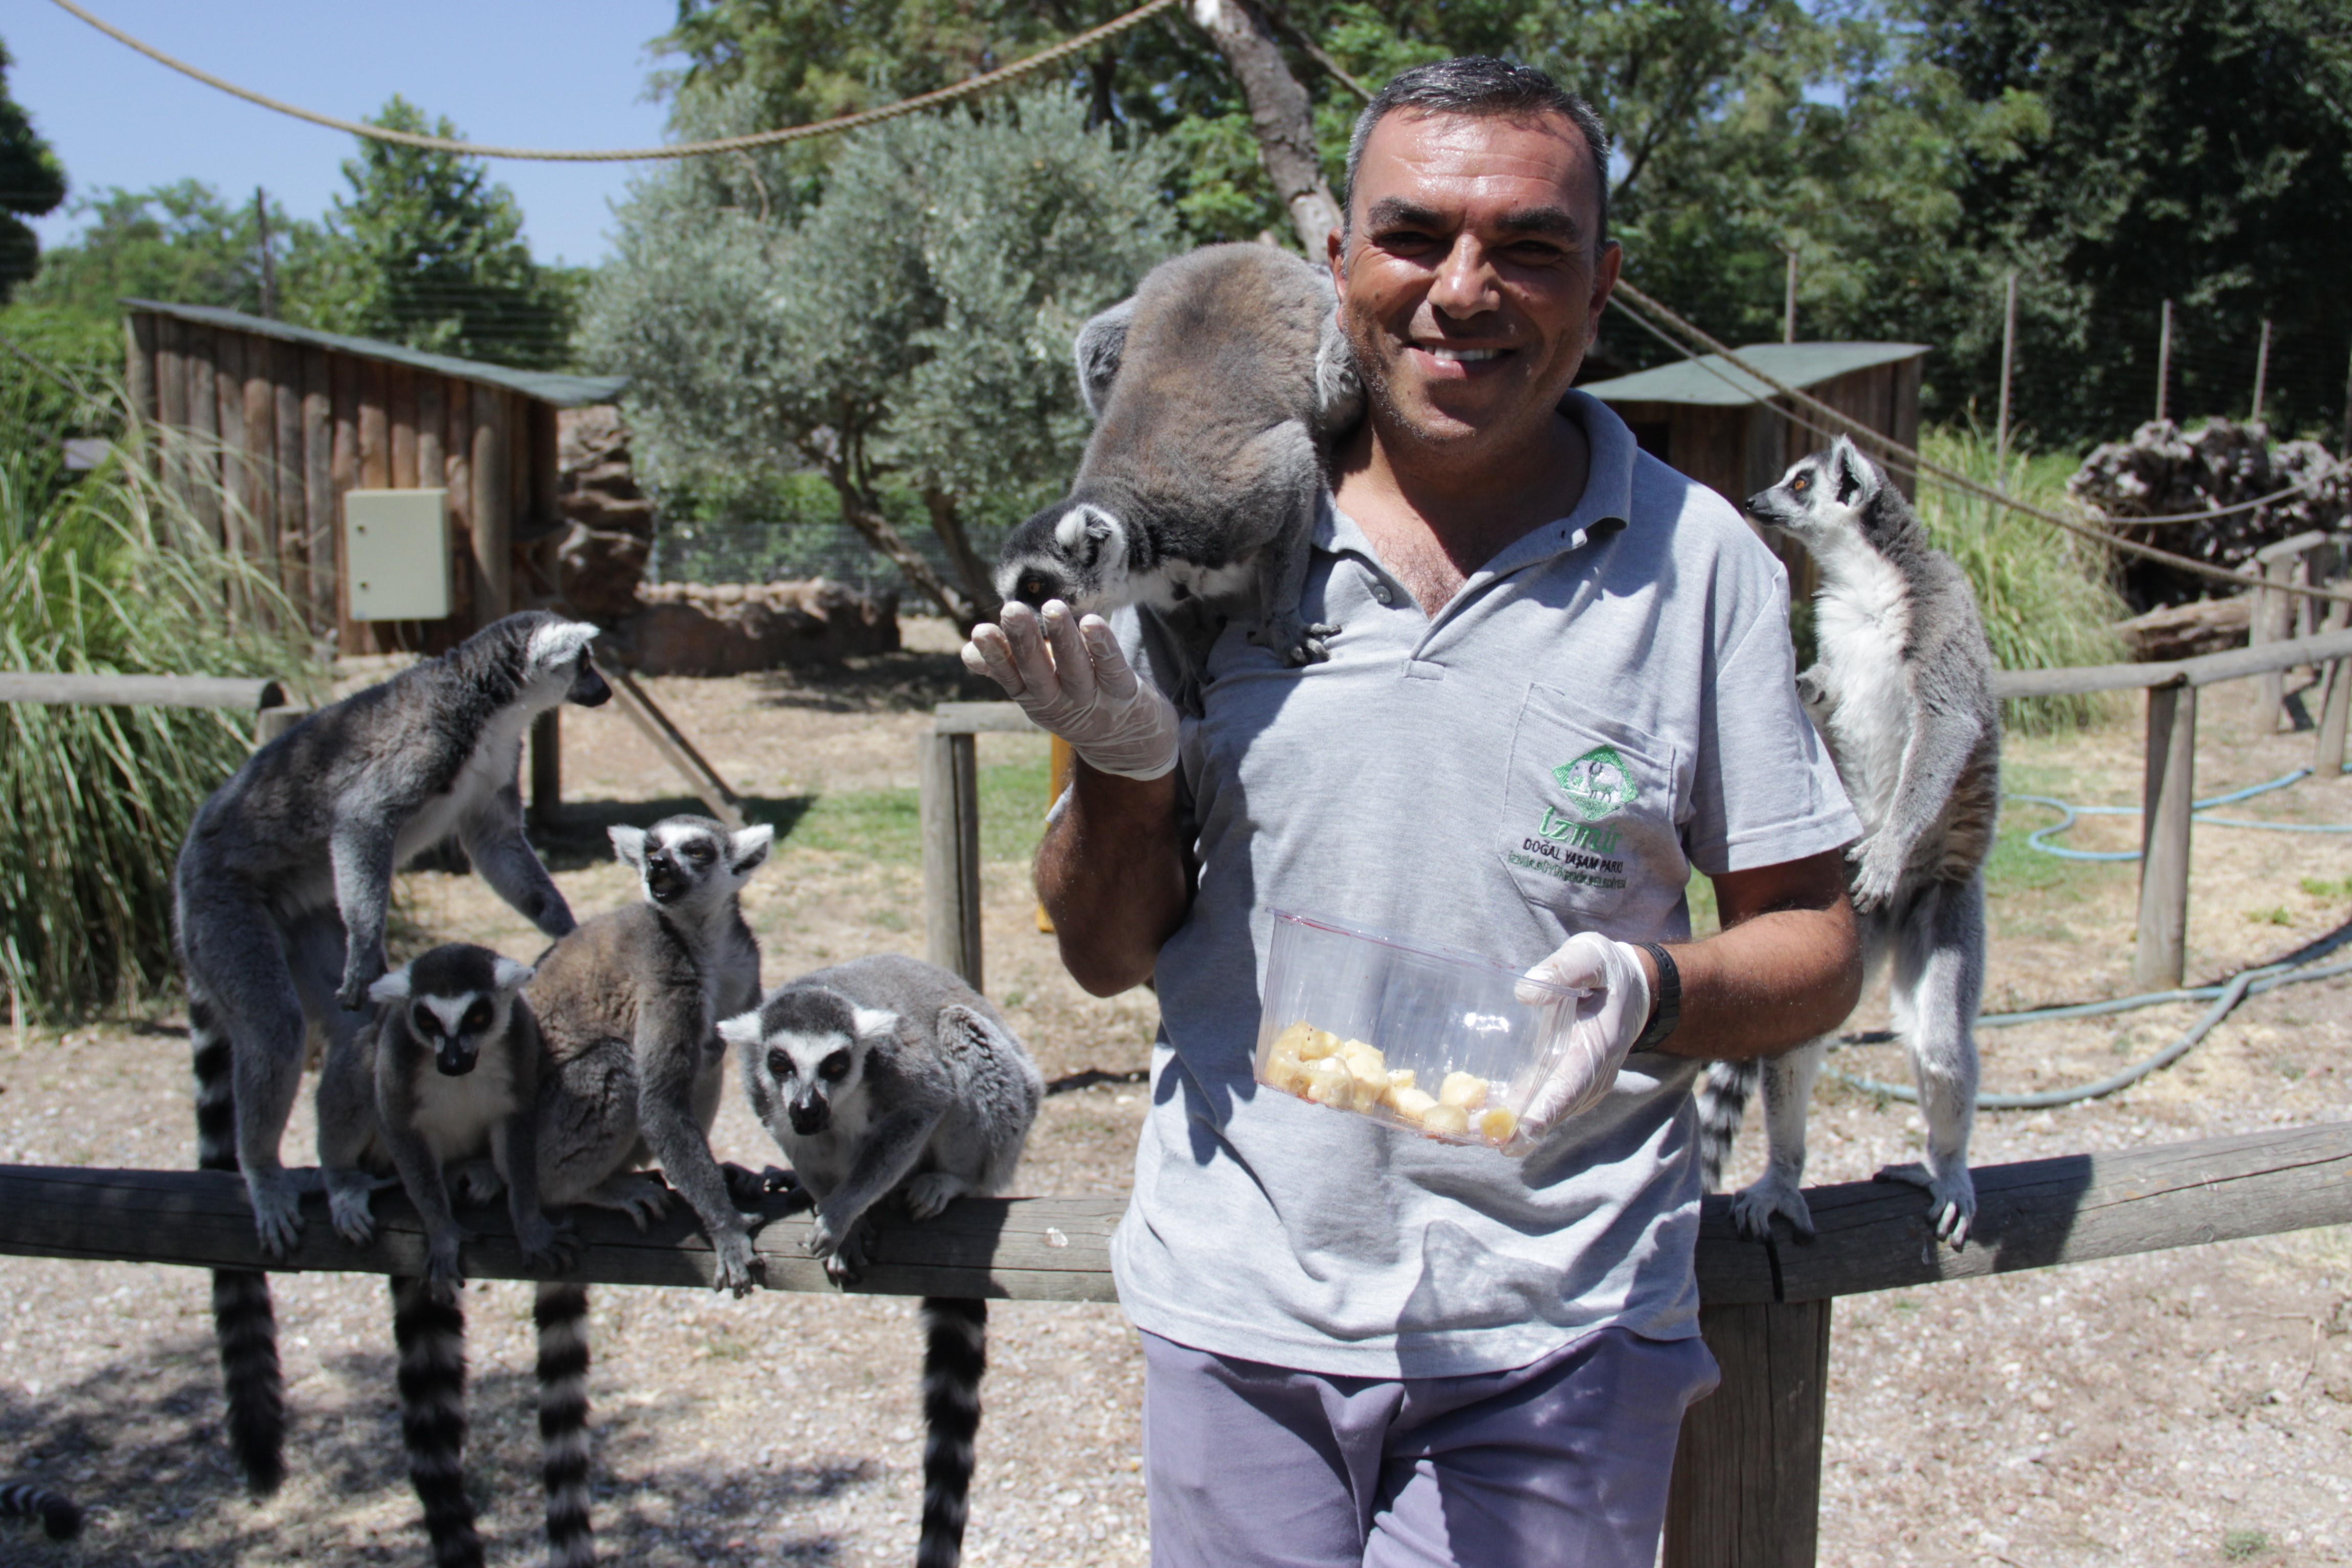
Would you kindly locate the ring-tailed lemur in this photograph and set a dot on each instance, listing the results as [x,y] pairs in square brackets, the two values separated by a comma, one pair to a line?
[60,1519]
[1903,692]
[885,1074]
[278,909]
[1219,390]
[629,1005]
[446,1073]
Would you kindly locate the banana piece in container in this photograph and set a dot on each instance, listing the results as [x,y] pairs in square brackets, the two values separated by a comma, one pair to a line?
[1496,1125]
[1446,1120]
[1413,1104]
[1328,1083]
[1465,1091]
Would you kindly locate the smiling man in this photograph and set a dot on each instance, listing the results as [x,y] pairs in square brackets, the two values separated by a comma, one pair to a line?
[1562,680]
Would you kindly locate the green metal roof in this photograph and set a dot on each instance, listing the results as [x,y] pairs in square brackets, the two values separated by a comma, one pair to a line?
[547,386]
[1712,380]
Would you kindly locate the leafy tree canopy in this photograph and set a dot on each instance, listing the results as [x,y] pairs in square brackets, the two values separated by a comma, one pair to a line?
[180,243]
[31,182]
[428,251]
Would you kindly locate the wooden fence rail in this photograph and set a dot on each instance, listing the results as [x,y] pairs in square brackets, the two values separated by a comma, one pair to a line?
[1747,1484]
[273,707]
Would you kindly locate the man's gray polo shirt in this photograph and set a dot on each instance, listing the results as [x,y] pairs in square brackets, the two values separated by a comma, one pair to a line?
[1414,782]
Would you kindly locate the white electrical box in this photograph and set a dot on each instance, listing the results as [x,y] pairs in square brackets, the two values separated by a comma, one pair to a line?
[396,554]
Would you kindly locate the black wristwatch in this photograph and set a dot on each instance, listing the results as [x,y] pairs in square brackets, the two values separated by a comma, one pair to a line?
[1666,1006]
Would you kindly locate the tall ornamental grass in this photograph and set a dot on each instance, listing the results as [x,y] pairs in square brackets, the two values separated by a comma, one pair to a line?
[110,572]
[2047,596]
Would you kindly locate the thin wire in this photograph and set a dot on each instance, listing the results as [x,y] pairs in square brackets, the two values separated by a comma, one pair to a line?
[1908,459]
[962,89]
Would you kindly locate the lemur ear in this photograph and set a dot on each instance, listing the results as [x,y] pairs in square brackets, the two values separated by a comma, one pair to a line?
[560,642]
[391,988]
[508,975]
[741,1030]
[748,850]
[1855,477]
[874,1023]
[1101,343]
[629,844]
[1338,390]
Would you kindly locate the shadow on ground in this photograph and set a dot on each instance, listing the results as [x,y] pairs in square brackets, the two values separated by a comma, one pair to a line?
[902,682]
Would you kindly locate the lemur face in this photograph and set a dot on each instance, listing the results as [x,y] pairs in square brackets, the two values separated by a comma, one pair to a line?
[690,860]
[456,997]
[1820,494]
[803,1054]
[559,658]
[1073,552]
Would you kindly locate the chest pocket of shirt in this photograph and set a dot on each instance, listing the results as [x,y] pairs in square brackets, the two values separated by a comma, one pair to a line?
[1589,830]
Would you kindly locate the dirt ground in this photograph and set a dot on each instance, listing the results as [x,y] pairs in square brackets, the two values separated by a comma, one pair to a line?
[2193,1406]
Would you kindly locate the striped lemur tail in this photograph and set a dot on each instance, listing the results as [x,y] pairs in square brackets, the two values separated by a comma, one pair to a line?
[1724,1091]
[562,1314]
[428,1325]
[58,1515]
[242,1322]
[954,1358]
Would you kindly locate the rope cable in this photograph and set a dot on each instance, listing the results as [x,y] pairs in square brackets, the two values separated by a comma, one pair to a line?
[1907,457]
[962,90]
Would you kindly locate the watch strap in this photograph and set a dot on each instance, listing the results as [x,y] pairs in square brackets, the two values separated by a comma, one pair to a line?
[1666,1005]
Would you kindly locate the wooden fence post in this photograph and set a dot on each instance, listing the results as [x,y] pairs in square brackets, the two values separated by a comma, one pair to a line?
[547,767]
[950,808]
[2329,761]
[2160,956]
[1747,1488]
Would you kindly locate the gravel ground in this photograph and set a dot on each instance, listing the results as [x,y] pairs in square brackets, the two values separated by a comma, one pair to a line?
[2193,1406]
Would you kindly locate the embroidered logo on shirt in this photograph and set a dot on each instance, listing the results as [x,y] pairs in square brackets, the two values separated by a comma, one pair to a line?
[1596,784]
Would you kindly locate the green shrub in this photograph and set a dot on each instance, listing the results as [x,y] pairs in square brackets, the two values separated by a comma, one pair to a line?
[108,573]
[2046,595]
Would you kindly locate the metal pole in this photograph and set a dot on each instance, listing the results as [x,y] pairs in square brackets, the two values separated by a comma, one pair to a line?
[2262,372]
[268,263]
[1788,304]
[2008,364]
[2164,360]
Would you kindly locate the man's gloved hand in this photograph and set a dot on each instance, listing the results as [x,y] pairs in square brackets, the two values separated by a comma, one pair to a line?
[1595,1032]
[1071,677]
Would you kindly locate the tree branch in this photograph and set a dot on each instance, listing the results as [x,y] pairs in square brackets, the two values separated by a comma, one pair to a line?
[1280,113]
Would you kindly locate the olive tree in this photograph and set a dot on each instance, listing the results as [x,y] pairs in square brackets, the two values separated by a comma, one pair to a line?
[909,323]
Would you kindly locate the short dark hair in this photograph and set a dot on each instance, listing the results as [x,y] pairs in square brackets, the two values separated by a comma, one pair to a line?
[1480,84]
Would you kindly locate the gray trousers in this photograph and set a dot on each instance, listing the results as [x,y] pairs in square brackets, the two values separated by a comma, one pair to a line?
[1562,1462]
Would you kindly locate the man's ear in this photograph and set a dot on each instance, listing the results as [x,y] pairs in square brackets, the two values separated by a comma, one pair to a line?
[629,844]
[748,850]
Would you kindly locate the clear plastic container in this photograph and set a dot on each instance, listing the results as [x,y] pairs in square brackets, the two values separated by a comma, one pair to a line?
[1426,1038]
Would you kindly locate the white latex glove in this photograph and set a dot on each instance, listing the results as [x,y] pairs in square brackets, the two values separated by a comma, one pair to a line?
[1071,677]
[1596,1032]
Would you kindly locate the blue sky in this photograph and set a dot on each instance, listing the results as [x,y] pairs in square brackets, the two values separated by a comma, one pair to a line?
[522,72]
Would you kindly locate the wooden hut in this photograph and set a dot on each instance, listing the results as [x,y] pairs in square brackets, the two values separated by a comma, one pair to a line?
[1719,426]
[287,422]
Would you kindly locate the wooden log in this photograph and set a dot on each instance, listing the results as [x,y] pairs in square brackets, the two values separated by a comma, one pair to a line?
[2239,663]
[140,690]
[400,414]
[1038,1249]
[204,489]
[547,768]
[493,513]
[236,459]
[457,478]
[2328,761]
[1746,1489]
[288,505]
[2037,1214]
[320,548]
[948,810]
[2080,681]
[981,719]
[2168,797]
[2207,669]
[138,346]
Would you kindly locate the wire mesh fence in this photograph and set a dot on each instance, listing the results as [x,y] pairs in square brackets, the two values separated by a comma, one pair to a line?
[740,550]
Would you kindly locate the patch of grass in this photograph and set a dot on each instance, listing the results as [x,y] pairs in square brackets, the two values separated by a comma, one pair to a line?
[2321,888]
[2240,1545]
[2047,597]
[2276,915]
[884,825]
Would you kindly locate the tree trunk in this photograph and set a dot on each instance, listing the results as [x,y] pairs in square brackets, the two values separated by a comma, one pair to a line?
[864,513]
[978,581]
[1280,112]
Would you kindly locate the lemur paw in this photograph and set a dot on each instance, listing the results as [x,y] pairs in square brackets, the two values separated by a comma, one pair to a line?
[277,1212]
[1877,870]
[930,1193]
[640,1196]
[477,1181]
[1299,642]
[1752,1207]
[549,1246]
[444,1256]
[1952,1198]
[747,1187]
[353,1214]
[737,1267]
[843,1250]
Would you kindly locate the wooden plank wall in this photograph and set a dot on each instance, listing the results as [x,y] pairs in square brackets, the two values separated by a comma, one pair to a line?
[273,435]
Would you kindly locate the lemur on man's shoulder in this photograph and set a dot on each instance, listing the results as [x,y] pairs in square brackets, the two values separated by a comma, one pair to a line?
[1903,694]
